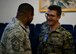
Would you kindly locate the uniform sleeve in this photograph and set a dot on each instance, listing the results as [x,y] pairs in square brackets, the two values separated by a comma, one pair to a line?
[39,48]
[14,42]
[1,49]
[41,43]
[68,46]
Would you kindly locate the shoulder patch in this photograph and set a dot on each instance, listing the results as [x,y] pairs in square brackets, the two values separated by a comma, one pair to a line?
[15,43]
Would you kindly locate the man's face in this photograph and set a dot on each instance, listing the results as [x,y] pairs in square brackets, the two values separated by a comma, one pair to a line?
[52,17]
[29,19]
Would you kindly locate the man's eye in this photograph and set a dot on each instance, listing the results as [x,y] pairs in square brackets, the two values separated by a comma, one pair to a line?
[52,15]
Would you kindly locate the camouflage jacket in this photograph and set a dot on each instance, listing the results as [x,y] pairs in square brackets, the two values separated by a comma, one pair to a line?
[55,42]
[15,39]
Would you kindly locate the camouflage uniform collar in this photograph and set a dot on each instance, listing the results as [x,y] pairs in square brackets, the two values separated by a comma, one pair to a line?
[58,28]
[15,20]
[45,26]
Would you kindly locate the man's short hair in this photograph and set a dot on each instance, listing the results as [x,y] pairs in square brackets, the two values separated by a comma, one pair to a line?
[57,8]
[25,8]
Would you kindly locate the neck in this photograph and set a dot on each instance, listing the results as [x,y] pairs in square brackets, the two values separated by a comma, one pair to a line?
[22,20]
[54,27]
[24,23]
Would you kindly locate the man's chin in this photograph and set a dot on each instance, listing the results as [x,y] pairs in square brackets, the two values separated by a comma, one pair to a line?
[28,23]
[50,24]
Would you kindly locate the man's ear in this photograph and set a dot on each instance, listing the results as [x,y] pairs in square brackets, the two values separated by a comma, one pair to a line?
[59,17]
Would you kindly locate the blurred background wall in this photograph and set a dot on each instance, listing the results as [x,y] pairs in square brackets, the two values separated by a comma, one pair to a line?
[8,10]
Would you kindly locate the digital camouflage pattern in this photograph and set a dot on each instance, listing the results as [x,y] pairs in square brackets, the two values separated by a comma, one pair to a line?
[55,42]
[15,39]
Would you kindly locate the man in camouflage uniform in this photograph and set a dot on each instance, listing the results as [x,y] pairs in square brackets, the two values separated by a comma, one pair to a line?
[15,38]
[53,38]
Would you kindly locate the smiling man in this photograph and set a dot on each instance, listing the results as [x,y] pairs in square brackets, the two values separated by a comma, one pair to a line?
[54,39]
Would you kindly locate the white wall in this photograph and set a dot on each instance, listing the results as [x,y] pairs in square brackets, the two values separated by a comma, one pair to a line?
[8,9]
